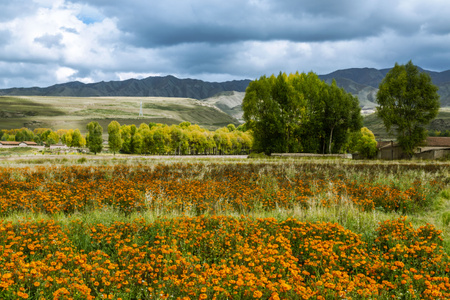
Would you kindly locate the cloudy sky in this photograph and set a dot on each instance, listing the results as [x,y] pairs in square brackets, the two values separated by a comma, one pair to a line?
[44,42]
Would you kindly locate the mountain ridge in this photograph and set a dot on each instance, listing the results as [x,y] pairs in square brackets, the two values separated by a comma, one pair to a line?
[167,86]
[361,82]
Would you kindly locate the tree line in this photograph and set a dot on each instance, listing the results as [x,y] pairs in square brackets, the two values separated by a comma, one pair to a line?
[182,139]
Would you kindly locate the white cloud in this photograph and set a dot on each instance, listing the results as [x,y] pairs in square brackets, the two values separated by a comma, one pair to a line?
[63,74]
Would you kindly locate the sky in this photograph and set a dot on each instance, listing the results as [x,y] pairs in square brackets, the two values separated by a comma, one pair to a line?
[45,42]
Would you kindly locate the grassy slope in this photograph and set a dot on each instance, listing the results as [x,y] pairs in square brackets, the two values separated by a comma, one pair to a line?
[442,122]
[73,112]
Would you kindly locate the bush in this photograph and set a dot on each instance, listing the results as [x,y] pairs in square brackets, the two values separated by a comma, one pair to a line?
[257,155]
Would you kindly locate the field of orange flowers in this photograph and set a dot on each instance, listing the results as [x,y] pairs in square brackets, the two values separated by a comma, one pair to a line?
[220,258]
[215,256]
[210,188]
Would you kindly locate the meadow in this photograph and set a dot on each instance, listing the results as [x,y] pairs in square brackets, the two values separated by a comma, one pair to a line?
[160,228]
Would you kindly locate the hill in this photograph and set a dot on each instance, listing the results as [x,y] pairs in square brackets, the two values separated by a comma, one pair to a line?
[70,113]
[440,123]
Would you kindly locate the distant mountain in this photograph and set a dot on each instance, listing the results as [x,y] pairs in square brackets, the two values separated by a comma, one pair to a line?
[168,86]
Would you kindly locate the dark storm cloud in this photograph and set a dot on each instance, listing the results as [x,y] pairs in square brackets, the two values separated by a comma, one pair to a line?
[173,22]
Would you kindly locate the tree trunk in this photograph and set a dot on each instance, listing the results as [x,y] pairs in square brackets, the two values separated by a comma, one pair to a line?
[331,138]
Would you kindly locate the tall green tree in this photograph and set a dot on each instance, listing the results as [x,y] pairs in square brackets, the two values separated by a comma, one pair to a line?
[341,113]
[299,113]
[407,101]
[94,139]
[263,112]
[114,138]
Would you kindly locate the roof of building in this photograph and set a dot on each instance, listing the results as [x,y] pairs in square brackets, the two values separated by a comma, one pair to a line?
[382,144]
[438,141]
[9,143]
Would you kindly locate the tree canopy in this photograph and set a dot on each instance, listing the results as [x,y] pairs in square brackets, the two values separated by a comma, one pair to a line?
[408,101]
[300,113]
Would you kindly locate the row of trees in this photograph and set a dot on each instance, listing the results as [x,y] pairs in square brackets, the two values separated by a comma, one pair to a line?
[181,139]
[300,113]
[152,138]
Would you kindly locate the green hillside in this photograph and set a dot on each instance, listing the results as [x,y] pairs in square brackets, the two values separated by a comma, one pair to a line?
[440,123]
[76,112]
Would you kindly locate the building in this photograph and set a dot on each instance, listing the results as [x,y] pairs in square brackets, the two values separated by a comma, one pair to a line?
[5,144]
[434,148]
[28,144]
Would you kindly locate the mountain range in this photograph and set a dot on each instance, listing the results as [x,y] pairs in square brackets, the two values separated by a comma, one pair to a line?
[362,82]
[168,86]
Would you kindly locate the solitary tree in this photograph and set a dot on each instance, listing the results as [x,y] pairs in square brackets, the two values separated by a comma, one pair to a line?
[94,139]
[407,102]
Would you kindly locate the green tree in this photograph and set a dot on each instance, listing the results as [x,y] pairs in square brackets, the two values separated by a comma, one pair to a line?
[407,101]
[263,114]
[77,139]
[299,113]
[114,138]
[94,138]
[179,139]
[24,134]
[126,136]
[341,113]
[363,142]
[52,138]
[137,143]
[67,137]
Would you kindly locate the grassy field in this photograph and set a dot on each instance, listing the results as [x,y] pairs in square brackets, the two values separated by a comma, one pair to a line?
[72,112]
[223,228]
